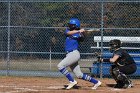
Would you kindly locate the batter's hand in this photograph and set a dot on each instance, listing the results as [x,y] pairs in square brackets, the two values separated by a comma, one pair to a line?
[82,30]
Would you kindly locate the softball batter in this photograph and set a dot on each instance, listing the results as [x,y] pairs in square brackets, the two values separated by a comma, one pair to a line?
[73,37]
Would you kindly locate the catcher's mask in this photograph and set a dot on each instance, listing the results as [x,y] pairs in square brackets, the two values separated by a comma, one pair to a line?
[74,24]
[114,44]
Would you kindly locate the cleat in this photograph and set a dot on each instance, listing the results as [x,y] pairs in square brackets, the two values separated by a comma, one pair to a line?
[97,85]
[128,85]
[132,85]
[71,84]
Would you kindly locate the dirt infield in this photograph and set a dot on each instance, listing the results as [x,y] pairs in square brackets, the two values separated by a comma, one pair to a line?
[56,85]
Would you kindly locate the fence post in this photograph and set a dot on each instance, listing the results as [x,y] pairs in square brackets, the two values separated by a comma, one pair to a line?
[50,59]
[8,39]
[102,25]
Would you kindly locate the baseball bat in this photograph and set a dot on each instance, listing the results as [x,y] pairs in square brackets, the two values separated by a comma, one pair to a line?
[92,29]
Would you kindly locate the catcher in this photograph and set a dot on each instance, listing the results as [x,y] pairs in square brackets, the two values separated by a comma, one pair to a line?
[123,65]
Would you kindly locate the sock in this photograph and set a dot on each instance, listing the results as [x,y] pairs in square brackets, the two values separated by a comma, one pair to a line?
[65,72]
[89,78]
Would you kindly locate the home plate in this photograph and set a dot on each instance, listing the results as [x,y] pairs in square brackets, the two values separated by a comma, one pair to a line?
[56,87]
[116,89]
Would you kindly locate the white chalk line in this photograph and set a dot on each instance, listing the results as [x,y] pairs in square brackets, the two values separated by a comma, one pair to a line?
[115,89]
[11,92]
[26,89]
[55,87]
[21,88]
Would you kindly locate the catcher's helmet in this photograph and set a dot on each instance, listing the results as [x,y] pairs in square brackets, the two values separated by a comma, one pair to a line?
[74,24]
[114,44]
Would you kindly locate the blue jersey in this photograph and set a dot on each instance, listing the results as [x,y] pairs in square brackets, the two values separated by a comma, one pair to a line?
[71,42]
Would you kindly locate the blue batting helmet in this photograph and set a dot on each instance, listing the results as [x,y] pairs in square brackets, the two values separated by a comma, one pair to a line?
[75,21]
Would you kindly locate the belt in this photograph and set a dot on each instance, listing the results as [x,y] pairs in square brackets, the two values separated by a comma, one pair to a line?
[69,51]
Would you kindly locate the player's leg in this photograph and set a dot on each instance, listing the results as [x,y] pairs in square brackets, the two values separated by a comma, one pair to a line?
[76,69]
[120,83]
[62,68]
[126,80]
[70,59]
[127,70]
[120,76]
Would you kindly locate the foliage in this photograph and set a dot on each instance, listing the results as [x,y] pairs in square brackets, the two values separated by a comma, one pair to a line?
[46,16]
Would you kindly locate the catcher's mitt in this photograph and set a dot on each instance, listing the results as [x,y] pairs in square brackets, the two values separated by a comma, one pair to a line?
[98,57]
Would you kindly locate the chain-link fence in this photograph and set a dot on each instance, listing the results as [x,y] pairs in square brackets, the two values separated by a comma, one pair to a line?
[32,33]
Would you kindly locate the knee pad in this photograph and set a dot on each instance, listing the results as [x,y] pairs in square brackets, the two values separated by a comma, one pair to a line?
[115,71]
[122,77]
[118,75]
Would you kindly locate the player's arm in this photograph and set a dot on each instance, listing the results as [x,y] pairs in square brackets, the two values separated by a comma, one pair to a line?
[112,60]
[75,31]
